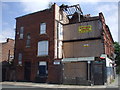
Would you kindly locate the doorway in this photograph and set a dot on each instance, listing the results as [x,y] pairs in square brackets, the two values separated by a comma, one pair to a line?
[42,72]
[27,71]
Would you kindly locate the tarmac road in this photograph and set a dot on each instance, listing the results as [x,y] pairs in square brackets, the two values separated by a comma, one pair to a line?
[14,86]
[39,86]
[52,87]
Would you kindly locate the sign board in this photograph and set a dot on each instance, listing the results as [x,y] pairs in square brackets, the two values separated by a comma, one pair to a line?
[56,62]
[84,29]
[78,59]
[86,45]
[42,63]
[103,56]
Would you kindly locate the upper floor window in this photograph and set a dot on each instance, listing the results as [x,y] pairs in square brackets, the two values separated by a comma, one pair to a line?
[21,32]
[20,58]
[42,48]
[42,28]
[28,40]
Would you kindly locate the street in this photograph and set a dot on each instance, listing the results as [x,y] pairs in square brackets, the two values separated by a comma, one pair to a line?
[43,86]
[14,86]
[20,86]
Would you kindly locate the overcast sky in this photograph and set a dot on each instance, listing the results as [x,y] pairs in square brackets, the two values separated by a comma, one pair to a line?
[15,8]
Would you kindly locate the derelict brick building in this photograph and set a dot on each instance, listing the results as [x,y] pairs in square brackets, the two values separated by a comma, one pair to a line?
[92,53]
[36,47]
[56,46]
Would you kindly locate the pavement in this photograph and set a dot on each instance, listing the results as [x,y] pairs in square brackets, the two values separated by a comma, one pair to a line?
[113,86]
[115,82]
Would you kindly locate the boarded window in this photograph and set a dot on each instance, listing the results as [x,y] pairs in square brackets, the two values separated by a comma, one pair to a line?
[21,32]
[42,48]
[42,28]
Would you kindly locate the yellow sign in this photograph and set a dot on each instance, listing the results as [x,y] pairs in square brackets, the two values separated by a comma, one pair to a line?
[86,45]
[85,29]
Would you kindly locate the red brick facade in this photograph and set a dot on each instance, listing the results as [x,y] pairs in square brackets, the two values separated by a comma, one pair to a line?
[31,24]
[107,37]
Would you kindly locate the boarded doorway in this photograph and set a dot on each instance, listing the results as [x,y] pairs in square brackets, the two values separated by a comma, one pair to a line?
[75,73]
[27,71]
[98,74]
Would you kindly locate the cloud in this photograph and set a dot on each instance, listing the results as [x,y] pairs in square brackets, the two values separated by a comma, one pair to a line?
[2,38]
[34,5]
[7,33]
[110,12]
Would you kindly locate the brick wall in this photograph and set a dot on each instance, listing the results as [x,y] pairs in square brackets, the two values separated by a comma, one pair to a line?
[31,24]
[107,38]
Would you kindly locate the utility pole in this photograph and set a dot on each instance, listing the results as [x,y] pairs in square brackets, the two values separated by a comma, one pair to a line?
[88,70]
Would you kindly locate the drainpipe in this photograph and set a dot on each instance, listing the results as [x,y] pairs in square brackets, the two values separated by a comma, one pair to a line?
[8,56]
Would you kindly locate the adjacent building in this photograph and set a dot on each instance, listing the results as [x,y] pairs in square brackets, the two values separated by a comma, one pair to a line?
[88,51]
[6,57]
[61,45]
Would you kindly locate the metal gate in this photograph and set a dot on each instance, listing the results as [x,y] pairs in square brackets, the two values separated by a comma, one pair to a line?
[75,73]
[98,74]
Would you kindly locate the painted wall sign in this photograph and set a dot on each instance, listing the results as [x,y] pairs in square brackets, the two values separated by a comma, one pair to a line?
[84,29]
